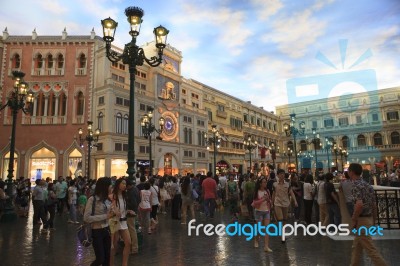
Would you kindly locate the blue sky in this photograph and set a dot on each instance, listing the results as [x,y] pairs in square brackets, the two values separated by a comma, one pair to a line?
[247,48]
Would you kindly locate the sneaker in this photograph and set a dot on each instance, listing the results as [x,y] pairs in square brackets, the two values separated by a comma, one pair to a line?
[70,222]
[183,222]
[76,222]
[267,249]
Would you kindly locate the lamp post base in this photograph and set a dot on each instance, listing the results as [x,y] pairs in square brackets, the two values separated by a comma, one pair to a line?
[9,214]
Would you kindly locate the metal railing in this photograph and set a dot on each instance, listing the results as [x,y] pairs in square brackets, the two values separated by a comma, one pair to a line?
[388,205]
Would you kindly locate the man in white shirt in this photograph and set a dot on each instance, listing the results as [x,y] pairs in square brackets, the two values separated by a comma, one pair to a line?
[323,208]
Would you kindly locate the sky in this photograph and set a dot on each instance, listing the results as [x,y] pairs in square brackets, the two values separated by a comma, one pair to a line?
[269,52]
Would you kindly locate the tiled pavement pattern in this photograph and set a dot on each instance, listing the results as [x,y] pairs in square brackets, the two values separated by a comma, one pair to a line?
[23,244]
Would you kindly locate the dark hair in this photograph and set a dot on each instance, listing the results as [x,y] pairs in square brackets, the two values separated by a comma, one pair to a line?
[101,189]
[209,174]
[147,186]
[116,190]
[280,171]
[142,178]
[185,185]
[308,179]
[151,181]
[328,176]
[72,183]
[346,174]
[355,168]
[258,185]
[272,175]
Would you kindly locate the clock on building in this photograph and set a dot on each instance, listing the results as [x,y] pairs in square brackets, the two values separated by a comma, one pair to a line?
[170,131]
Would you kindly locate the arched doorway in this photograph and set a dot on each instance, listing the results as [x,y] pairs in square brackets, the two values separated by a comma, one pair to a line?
[75,164]
[42,164]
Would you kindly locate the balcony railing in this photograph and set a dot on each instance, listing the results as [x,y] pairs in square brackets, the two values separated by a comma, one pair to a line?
[388,201]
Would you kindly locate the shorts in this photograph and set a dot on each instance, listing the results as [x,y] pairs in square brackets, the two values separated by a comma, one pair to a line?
[281,213]
[262,215]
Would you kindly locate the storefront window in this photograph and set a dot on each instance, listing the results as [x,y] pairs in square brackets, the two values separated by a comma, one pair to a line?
[118,167]
[187,168]
[6,161]
[42,165]
[100,167]
[75,164]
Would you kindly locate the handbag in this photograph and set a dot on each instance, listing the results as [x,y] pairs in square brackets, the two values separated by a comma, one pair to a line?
[84,231]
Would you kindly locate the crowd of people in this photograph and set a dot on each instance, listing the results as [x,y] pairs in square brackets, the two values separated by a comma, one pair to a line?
[117,207]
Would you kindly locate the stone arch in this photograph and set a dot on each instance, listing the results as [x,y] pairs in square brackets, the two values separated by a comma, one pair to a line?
[74,145]
[37,147]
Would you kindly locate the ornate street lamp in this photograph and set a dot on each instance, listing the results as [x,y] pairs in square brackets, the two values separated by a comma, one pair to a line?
[273,150]
[250,146]
[91,138]
[289,154]
[18,99]
[148,128]
[345,154]
[215,139]
[337,150]
[328,146]
[316,142]
[133,56]
[291,130]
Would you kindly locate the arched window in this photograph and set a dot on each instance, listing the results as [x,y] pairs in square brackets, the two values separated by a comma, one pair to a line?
[82,61]
[39,61]
[290,145]
[361,141]
[190,136]
[395,137]
[185,136]
[303,145]
[51,104]
[125,125]
[345,142]
[80,103]
[378,139]
[16,61]
[40,104]
[200,138]
[63,104]
[60,61]
[50,61]
[100,121]
[118,123]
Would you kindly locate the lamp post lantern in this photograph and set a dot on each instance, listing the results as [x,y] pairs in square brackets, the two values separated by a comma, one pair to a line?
[250,146]
[291,130]
[337,150]
[18,99]
[316,142]
[289,154]
[345,154]
[328,146]
[148,128]
[215,139]
[91,138]
[133,56]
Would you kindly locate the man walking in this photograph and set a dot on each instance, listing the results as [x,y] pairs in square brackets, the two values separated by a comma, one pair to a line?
[364,215]
[209,193]
[132,203]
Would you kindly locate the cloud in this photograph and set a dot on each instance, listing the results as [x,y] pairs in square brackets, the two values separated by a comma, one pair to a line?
[268,8]
[230,24]
[53,6]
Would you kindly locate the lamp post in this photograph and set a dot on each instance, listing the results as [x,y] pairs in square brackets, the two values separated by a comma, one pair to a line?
[315,141]
[291,130]
[273,150]
[250,146]
[91,138]
[17,101]
[289,154]
[345,154]
[215,139]
[133,56]
[337,150]
[148,128]
[328,146]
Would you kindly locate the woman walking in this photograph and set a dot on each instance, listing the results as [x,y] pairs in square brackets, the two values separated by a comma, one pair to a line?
[187,199]
[97,214]
[120,210]
[72,198]
[155,194]
[262,209]
[145,207]
[232,195]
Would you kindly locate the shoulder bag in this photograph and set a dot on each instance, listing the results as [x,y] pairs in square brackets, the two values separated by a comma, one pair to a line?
[84,231]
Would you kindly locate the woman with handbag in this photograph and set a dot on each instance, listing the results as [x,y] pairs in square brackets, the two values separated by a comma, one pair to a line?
[97,214]
[262,205]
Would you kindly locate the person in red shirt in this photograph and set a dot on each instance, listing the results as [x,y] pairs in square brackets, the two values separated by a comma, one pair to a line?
[209,193]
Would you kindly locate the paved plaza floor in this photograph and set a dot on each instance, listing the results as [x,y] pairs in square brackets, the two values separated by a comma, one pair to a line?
[21,243]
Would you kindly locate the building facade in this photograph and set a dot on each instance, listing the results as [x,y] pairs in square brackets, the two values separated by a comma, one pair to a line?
[362,127]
